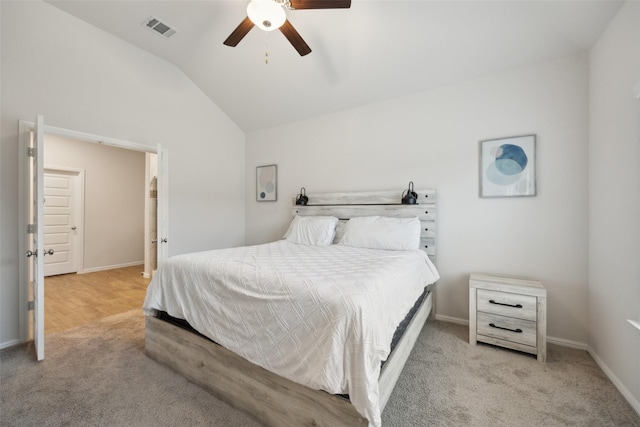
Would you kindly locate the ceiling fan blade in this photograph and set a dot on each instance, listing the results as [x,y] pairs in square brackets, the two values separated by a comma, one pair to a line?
[239,33]
[320,4]
[294,38]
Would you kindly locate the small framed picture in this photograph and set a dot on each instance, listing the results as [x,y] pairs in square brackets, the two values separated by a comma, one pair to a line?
[267,183]
[508,167]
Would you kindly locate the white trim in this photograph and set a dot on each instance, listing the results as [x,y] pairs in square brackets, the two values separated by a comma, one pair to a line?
[112,267]
[567,343]
[619,385]
[450,319]
[11,343]
[97,139]
[89,137]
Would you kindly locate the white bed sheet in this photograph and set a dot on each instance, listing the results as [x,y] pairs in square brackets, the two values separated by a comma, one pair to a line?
[322,316]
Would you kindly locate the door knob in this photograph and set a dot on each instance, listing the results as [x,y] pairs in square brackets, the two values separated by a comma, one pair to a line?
[49,252]
[74,228]
[30,254]
[163,240]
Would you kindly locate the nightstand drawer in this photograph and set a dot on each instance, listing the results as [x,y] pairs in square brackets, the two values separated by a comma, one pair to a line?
[506,328]
[507,304]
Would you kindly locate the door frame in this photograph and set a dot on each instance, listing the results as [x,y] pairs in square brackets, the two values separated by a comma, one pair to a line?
[78,208]
[24,132]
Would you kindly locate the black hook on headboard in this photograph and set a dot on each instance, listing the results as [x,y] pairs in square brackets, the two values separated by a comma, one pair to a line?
[409,197]
[302,198]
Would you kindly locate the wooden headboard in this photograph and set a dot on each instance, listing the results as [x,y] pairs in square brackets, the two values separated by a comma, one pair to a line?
[384,203]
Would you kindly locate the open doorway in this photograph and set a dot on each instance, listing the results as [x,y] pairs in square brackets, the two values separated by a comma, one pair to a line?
[31,218]
[96,219]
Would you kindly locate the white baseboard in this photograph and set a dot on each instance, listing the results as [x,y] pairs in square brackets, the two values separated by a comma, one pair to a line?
[452,319]
[110,267]
[567,343]
[9,344]
[616,382]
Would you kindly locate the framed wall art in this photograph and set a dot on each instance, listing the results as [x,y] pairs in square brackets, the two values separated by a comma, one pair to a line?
[267,183]
[508,167]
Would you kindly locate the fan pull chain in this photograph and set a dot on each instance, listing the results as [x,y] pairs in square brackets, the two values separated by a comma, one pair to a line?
[266,47]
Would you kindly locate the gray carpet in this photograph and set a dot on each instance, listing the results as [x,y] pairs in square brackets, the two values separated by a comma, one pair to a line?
[98,375]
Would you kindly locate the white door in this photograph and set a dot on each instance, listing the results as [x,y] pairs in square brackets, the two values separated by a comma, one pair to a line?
[163,206]
[61,221]
[34,232]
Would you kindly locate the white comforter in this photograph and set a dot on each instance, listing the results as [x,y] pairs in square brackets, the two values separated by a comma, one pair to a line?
[322,316]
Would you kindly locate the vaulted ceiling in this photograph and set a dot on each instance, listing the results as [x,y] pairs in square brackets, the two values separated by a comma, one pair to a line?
[374,51]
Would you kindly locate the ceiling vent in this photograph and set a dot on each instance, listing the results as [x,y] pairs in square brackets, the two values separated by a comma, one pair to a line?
[159,27]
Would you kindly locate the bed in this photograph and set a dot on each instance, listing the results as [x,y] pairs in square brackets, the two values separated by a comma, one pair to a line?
[284,330]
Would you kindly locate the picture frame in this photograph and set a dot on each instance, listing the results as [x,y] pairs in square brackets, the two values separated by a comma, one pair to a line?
[267,183]
[508,167]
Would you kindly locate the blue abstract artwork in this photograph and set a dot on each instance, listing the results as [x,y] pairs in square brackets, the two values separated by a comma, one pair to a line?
[267,183]
[507,167]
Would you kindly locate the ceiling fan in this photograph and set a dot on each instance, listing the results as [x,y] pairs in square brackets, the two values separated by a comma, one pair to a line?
[270,15]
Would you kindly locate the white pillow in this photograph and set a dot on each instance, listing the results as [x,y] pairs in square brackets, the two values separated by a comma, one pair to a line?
[312,230]
[382,232]
[340,227]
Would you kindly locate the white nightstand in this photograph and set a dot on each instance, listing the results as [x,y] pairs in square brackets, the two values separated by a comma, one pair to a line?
[508,312]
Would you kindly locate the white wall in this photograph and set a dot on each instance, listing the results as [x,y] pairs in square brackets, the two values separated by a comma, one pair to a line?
[433,139]
[614,206]
[81,78]
[113,199]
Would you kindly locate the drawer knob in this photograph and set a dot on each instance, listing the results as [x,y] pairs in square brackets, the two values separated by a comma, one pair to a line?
[508,305]
[506,329]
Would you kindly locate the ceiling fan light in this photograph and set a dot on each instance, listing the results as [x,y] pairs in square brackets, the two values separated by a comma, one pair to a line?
[266,14]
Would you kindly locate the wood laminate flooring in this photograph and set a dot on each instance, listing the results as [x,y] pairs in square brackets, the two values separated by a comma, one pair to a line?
[76,299]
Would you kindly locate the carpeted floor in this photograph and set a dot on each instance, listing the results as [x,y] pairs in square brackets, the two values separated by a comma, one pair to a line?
[98,375]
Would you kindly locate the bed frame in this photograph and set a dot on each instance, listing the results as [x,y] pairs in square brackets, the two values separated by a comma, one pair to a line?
[274,400]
